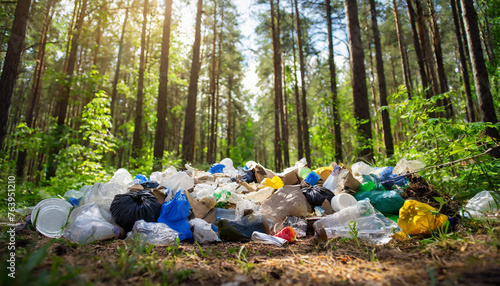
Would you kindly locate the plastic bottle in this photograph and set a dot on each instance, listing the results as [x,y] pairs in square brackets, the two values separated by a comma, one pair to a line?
[331,181]
[344,216]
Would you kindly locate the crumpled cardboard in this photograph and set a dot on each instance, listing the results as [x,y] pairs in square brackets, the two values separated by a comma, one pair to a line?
[346,183]
[287,201]
[201,208]
[291,178]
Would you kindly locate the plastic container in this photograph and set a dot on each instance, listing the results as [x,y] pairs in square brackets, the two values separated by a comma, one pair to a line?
[346,215]
[312,178]
[331,181]
[342,201]
[268,239]
[303,172]
[50,217]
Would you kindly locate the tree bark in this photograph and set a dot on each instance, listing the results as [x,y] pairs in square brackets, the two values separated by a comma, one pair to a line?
[386,121]
[300,147]
[188,140]
[402,51]
[486,104]
[284,122]
[277,87]
[118,65]
[229,123]
[10,72]
[469,104]
[333,85]
[211,151]
[161,110]
[137,141]
[358,76]
[305,125]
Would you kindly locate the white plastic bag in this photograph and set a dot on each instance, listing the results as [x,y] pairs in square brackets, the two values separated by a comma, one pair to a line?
[203,232]
[244,205]
[121,177]
[180,181]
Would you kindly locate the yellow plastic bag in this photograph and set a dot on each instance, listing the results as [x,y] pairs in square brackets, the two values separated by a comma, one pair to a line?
[275,182]
[324,172]
[419,218]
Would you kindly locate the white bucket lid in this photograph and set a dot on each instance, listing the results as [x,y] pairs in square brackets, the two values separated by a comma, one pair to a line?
[342,201]
[50,216]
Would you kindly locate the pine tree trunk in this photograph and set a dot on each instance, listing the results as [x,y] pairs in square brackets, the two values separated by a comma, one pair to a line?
[229,123]
[277,86]
[10,70]
[282,106]
[284,122]
[211,152]
[161,111]
[118,65]
[305,125]
[402,51]
[300,146]
[358,79]
[479,70]
[136,140]
[471,116]
[333,85]
[189,137]
[386,121]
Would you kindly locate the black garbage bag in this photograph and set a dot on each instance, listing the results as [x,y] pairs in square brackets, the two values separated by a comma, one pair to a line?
[128,208]
[316,195]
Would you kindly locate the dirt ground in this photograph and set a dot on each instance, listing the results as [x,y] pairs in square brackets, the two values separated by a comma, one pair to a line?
[460,259]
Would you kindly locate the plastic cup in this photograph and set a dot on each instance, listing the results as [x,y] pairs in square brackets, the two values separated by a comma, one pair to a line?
[342,201]
[50,217]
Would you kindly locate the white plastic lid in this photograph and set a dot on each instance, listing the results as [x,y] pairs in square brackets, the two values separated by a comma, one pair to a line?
[50,216]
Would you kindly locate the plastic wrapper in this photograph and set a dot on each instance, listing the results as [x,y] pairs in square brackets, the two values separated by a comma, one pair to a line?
[86,225]
[316,195]
[482,204]
[175,214]
[419,218]
[201,191]
[287,233]
[361,168]
[297,223]
[128,208]
[275,183]
[203,232]
[407,166]
[268,239]
[246,205]
[153,233]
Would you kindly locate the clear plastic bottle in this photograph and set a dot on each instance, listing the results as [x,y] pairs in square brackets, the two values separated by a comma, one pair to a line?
[342,218]
[331,181]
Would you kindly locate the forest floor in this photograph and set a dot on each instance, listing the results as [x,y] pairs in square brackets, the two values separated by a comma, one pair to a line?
[462,258]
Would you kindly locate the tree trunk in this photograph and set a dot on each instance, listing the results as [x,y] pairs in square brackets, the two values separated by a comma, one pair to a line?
[300,146]
[213,65]
[284,122]
[229,127]
[402,51]
[37,85]
[161,111]
[418,50]
[358,78]
[479,70]
[10,71]
[333,85]
[118,65]
[386,121]
[277,86]
[305,125]
[189,137]
[471,116]
[137,142]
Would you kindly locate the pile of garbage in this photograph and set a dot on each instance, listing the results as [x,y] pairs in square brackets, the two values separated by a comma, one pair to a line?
[250,203]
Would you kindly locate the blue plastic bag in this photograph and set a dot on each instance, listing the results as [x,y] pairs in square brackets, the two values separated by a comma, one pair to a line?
[216,168]
[175,214]
[141,178]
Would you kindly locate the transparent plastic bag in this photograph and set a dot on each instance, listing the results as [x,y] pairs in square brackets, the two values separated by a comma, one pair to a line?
[86,225]
[121,177]
[180,181]
[403,166]
[203,232]
[481,204]
[153,233]
[245,205]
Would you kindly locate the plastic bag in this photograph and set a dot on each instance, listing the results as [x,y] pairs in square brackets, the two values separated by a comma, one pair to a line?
[153,233]
[203,232]
[175,214]
[86,225]
[103,195]
[121,177]
[316,195]
[128,208]
[361,168]
[287,233]
[180,181]
[162,176]
[481,204]
[386,202]
[201,191]
[403,166]
[275,183]
[245,205]
[247,175]
[75,197]
[297,223]
[419,218]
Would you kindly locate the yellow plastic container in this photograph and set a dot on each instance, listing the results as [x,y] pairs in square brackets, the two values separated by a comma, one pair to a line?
[324,172]
[275,183]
